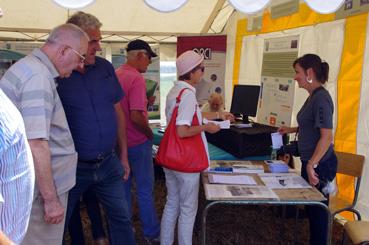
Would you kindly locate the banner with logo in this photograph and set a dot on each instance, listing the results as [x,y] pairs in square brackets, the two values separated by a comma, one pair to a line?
[214,50]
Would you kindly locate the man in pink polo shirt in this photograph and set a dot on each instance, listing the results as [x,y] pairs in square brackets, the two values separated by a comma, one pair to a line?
[139,135]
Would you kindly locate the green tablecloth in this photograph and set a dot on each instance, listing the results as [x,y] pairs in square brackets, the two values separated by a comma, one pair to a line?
[214,152]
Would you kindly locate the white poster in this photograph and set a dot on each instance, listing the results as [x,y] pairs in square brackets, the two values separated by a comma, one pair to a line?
[277,83]
[213,80]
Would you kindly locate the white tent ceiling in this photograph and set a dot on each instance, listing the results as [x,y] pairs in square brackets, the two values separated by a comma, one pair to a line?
[123,20]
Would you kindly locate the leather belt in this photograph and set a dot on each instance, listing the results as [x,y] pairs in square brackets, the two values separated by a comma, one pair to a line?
[100,158]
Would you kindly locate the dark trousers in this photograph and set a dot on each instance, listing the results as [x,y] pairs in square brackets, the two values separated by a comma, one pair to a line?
[105,179]
[93,210]
[318,219]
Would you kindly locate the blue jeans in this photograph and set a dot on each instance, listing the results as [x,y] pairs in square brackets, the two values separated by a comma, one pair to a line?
[93,210]
[317,216]
[105,180]
[142,169]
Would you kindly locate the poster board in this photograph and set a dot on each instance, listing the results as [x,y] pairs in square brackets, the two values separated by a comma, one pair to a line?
[213,48]
[277,83]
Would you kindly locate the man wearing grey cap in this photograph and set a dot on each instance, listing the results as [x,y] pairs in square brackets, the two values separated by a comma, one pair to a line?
[139,134]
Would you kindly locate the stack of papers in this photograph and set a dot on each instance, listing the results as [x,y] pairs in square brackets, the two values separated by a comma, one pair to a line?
[277,166]
[231,179]
[248,168]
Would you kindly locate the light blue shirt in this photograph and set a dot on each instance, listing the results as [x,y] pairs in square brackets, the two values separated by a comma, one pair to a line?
[17,175]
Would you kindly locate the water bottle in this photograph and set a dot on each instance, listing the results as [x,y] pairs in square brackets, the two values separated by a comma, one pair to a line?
[273,155]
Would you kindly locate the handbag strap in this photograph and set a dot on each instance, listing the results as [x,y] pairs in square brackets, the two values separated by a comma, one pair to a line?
[195,120]
[178,99]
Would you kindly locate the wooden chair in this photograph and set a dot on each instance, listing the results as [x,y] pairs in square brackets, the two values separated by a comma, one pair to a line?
[357,231]
[351,165]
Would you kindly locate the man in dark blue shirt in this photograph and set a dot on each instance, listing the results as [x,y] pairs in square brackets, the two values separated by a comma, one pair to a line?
[90,97]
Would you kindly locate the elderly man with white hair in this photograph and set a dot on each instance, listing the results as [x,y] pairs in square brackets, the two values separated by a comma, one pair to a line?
[30,85]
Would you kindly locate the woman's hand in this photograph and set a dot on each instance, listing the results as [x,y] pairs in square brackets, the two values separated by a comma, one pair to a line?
[227,116]
[286,130]
[212,128]
[312,175]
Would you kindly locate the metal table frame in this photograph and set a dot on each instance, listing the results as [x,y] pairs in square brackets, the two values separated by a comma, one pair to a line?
[212,203]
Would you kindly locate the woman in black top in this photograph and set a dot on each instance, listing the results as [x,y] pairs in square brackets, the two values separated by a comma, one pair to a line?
[315,123]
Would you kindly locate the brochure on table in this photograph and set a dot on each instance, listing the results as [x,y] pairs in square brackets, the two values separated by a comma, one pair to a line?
[284,181]
[219,192]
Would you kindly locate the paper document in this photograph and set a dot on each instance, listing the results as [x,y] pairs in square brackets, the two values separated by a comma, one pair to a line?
[284,181]
[277,141]
[247,168]
[231,179]
[226,124]
[242,125]
[238,192]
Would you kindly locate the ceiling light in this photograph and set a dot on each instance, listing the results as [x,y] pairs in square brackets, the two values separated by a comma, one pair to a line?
[74,4]
[249,6]
[325,6]
[165,5]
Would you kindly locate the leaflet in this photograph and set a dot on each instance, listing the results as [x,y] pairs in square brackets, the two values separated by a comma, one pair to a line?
[226,124]
[231,179]
[284,181]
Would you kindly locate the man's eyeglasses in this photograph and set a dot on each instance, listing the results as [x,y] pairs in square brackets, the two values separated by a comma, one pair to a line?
[82,58]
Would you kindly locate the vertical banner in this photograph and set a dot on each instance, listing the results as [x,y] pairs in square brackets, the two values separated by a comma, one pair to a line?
[214,50]
[152,78]
[277,83]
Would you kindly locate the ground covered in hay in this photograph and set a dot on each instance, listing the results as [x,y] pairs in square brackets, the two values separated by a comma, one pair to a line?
[228,225]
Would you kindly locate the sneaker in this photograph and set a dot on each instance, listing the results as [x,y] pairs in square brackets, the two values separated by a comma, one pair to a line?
[152,241]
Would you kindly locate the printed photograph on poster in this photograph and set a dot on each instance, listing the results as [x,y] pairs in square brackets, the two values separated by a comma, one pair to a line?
[152,78]
[349,4]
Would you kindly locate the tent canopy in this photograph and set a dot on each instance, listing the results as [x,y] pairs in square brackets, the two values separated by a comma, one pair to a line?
[123,20]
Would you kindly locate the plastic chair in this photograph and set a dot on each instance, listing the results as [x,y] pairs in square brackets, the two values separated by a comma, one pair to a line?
[351,165]
[357,231]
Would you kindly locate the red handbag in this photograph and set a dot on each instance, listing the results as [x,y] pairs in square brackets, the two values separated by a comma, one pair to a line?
[187,154]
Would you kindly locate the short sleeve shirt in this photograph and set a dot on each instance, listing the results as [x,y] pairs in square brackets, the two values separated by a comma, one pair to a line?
[187,107]
[89,100]
[134,86]
[30,85]
[16,172]
[316,113]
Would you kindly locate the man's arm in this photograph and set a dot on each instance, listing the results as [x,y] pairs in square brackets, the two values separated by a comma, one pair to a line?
[4,240]
[54,211]
[122,139]
[141,123]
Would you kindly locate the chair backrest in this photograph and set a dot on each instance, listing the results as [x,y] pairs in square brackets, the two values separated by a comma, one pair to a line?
[350,164]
